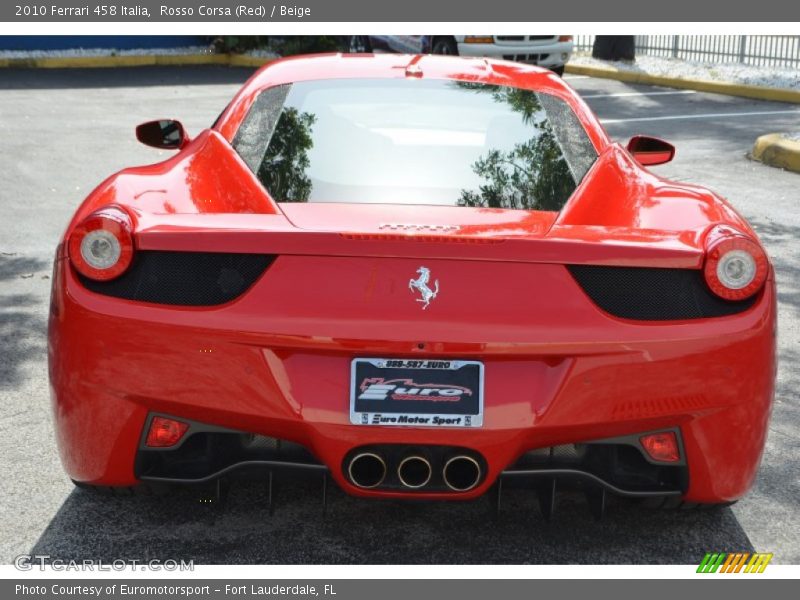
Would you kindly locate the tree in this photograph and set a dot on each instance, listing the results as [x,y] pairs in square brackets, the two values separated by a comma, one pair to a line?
[533,175]
[283,170]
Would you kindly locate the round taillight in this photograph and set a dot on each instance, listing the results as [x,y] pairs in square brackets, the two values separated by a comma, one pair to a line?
[736,267]
[101,246]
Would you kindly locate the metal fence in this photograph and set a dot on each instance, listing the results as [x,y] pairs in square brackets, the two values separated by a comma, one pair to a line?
[766,50]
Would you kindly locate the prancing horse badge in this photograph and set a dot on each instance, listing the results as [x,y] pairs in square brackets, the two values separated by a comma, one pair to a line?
[420,284]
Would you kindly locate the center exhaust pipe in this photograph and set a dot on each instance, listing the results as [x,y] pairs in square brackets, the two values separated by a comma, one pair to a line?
[414,471]
[461,473]
[367,470]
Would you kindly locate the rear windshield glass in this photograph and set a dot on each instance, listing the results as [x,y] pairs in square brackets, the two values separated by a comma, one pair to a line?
[411,141]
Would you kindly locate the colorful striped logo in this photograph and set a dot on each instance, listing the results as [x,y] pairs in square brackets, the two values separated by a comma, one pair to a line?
[744,562]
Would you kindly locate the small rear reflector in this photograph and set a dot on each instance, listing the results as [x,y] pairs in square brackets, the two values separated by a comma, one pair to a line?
[165,432]
[662,446]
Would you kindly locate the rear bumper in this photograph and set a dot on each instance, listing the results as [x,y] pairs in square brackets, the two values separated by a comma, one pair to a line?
[114,362]
[617,465]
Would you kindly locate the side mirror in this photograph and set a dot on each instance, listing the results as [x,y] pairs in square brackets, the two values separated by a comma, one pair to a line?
[164,133]
[650,150]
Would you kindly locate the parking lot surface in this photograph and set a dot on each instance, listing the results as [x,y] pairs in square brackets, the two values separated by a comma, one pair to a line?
[64,131]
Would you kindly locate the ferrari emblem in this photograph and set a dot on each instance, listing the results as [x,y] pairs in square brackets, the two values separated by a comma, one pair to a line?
[420,284]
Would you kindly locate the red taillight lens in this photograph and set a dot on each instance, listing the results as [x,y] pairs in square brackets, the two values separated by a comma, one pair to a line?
[101,247]
[565,38]
[736,267]
[662,447]
[165,432]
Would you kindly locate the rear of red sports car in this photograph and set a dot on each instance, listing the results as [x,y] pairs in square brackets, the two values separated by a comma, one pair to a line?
[420,277]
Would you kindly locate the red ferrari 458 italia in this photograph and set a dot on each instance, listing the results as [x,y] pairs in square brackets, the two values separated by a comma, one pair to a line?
[422,277]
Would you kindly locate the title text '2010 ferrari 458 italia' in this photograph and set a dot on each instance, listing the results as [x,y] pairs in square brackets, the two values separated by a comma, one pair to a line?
[422,277]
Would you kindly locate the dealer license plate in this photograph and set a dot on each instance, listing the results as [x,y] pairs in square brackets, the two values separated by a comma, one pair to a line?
[416,392]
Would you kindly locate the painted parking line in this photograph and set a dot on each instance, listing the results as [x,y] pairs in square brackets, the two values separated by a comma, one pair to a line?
[704,116]
[626,94]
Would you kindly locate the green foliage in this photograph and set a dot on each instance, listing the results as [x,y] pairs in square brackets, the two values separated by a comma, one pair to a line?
[533,175]
[281,45]
[283,169]
[305,44]
[235,44]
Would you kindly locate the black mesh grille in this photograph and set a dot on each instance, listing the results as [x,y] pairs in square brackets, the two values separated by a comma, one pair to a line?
[184,278]
[653,294]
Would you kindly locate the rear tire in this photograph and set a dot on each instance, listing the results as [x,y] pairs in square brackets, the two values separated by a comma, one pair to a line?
[445,46]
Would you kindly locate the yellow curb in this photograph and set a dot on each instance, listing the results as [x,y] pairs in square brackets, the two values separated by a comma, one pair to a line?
[243,60]
[191,59]
[701,85]
[776,150]
[98,62]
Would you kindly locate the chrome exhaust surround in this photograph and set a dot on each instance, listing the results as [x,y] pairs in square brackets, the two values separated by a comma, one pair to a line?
[461,473]
[367,470]
[414,471]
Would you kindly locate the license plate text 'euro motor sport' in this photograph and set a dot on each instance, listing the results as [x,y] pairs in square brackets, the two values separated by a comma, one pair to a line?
[413,392]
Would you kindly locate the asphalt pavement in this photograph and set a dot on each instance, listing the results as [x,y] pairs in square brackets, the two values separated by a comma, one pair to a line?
[63,132]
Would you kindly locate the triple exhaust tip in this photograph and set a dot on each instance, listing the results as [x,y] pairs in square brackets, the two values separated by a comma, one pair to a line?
[367,470]
[414,471]
[460,473]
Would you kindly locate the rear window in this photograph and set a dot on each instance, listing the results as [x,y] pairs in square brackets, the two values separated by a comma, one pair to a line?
[411,141]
